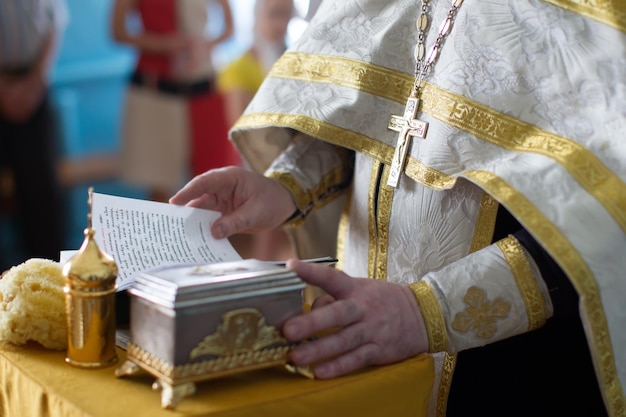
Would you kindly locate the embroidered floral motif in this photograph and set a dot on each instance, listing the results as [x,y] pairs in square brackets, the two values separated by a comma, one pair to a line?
[480,315]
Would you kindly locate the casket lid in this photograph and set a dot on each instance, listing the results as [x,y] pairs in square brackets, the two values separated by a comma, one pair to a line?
[176,286]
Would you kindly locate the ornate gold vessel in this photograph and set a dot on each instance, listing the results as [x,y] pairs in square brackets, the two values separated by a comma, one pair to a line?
[90,304]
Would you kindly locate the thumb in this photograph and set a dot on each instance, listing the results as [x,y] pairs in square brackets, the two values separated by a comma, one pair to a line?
[245,218]
[227,225]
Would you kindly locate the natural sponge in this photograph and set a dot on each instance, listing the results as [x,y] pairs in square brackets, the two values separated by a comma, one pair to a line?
[32,304]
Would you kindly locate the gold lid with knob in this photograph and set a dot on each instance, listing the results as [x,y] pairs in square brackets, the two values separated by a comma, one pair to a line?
[90,269]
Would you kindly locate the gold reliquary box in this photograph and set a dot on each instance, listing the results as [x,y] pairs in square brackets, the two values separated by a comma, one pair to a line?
[191,323]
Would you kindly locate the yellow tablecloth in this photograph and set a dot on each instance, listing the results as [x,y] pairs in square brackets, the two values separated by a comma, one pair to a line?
[36,382]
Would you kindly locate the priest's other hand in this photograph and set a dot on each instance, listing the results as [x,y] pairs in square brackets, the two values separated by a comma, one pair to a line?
[248,201]
[376,323]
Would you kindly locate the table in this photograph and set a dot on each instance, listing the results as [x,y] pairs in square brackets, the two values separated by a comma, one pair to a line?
[37,382]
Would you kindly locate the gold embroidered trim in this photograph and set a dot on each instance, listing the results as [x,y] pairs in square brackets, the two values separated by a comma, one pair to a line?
[336,135]
[526,281]
[514,135]
[578,272]
[342,232]
[609,12]
[301,197]
[465,114]
[427,176]
[383,216]
[371,219]
[445,382]
[485,223]
[370,78]
[319,196]
[480,314]
[433,316]
[319,129]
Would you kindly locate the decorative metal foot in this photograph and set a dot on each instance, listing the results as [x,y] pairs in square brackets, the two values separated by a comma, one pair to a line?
[127,368]
[172,394]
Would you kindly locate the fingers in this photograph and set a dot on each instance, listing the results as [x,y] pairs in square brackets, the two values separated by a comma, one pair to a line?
[354,360]
[338,354]
[230,224]
[331,345]
[202,189]
[248,201]
[379,323]
[338,314]
[246,218]
[322,300]
[329,279]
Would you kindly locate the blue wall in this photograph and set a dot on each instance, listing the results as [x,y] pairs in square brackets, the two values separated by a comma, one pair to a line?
[88,84]
[88,80]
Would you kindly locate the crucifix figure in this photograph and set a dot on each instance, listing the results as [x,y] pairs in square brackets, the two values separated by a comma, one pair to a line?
[408,127]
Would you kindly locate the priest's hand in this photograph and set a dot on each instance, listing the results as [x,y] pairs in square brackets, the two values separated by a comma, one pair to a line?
[376,323]
[248,201]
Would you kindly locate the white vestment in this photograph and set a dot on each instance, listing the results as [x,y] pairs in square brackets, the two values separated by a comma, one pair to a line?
[526,108]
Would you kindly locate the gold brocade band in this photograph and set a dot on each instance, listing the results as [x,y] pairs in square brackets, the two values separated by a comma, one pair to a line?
[382,218]
[302,198]
[609,12]
[443,392]
[308,200]
[515,135]
[346,138]
[372,243]
[526,281]
[485,223]
[433,316]
[576,269]
[319,129]
[465,114]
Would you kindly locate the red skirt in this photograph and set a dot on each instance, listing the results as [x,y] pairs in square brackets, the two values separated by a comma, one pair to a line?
[210,147]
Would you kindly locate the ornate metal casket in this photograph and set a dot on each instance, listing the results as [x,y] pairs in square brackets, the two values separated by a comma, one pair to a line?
[198,322]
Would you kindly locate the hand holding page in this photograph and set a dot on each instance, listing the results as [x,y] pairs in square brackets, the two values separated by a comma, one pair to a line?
[141,234]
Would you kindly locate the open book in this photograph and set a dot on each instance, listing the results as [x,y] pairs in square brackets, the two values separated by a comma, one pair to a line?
[141,235]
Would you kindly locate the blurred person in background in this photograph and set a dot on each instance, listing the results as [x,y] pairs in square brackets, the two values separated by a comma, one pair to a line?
[238,82]
[29,35]
[240,79]
[173,120]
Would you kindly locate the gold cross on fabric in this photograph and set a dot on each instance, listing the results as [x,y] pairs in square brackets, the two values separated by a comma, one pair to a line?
[408,127]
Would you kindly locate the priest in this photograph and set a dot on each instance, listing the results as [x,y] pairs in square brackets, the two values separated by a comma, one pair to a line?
[466,159]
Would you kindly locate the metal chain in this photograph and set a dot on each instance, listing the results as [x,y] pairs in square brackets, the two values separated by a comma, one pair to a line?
[423,65]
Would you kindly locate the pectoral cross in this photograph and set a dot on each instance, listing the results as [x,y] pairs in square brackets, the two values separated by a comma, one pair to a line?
[408,127]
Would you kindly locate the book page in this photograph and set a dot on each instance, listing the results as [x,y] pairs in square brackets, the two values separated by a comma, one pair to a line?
[142,234]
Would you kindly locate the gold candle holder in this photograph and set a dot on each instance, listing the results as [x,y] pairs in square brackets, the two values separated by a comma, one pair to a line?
[90,287]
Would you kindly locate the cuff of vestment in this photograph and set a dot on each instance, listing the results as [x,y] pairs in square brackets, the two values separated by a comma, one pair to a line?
[330,186]
[433,316]
[301,198]
[489,295]
[527,278]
